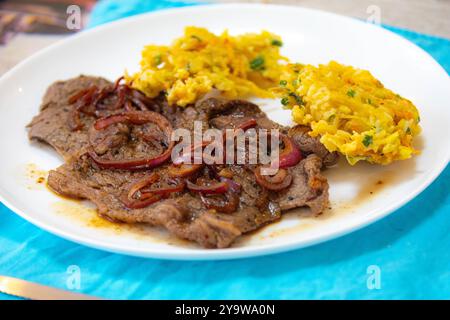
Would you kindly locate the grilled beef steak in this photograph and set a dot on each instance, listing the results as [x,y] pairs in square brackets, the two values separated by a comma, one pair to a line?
[50,125]
[184,213]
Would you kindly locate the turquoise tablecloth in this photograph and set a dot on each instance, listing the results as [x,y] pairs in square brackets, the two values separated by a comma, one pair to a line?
[410,247]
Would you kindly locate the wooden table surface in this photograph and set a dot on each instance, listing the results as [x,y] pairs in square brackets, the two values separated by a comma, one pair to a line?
[425,16]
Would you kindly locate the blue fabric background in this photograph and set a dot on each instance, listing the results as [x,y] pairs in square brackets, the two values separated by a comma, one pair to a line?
[410,246]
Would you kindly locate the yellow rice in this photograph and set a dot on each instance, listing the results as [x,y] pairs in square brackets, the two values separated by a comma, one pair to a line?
[351,111]
[239,66]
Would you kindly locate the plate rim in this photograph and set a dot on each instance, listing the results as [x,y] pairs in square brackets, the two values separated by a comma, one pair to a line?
[179,253]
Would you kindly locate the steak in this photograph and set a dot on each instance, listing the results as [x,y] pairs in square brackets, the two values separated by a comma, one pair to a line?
[312,145]
[182,213]
[50,125]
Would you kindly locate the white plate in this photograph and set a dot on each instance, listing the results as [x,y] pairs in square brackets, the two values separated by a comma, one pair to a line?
[309,36]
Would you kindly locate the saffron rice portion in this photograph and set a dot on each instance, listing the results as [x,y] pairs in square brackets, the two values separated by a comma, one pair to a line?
[352,112]
[238,66]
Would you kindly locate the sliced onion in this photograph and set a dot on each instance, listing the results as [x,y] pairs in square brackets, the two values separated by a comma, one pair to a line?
[281,180]
[139,204]
[140,99]
[83,99]
[278,178]
[183,159]
[187,158]
[226,173]
[291,154]
[92,96]
[217,188]
[142,184]
[74,98]
[135,117]
[131,202]
[223,196]
[183,170]
[228,204]
[233,185]
[102,94]
[117,83]
[251,123]
[178,187]
[121,97]
[148,197]
[128,106]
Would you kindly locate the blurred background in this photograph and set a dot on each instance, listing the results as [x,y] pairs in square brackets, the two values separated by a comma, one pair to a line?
[27,26]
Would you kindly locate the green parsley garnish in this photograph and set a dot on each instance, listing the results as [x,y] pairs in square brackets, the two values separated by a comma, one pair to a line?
[276,42]
[158,60]
[285,101]
[196,37]
[295,82]
[367,140]
[257,63]
[297,98]
[408,130]
[351,93]
[283,83]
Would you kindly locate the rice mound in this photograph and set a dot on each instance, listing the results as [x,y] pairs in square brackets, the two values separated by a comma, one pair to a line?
[238,66]
[352,112]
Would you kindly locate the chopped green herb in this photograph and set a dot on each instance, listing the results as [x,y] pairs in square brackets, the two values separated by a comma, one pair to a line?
[285,101]
[367,140]
[295,82]
[297,98]
[418,119]
[188,67]
[369,101]
[276,42]
[408,130]
[283,83]
[351,93]
[257,63]
[331,118]
[196,37]
[158,60]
